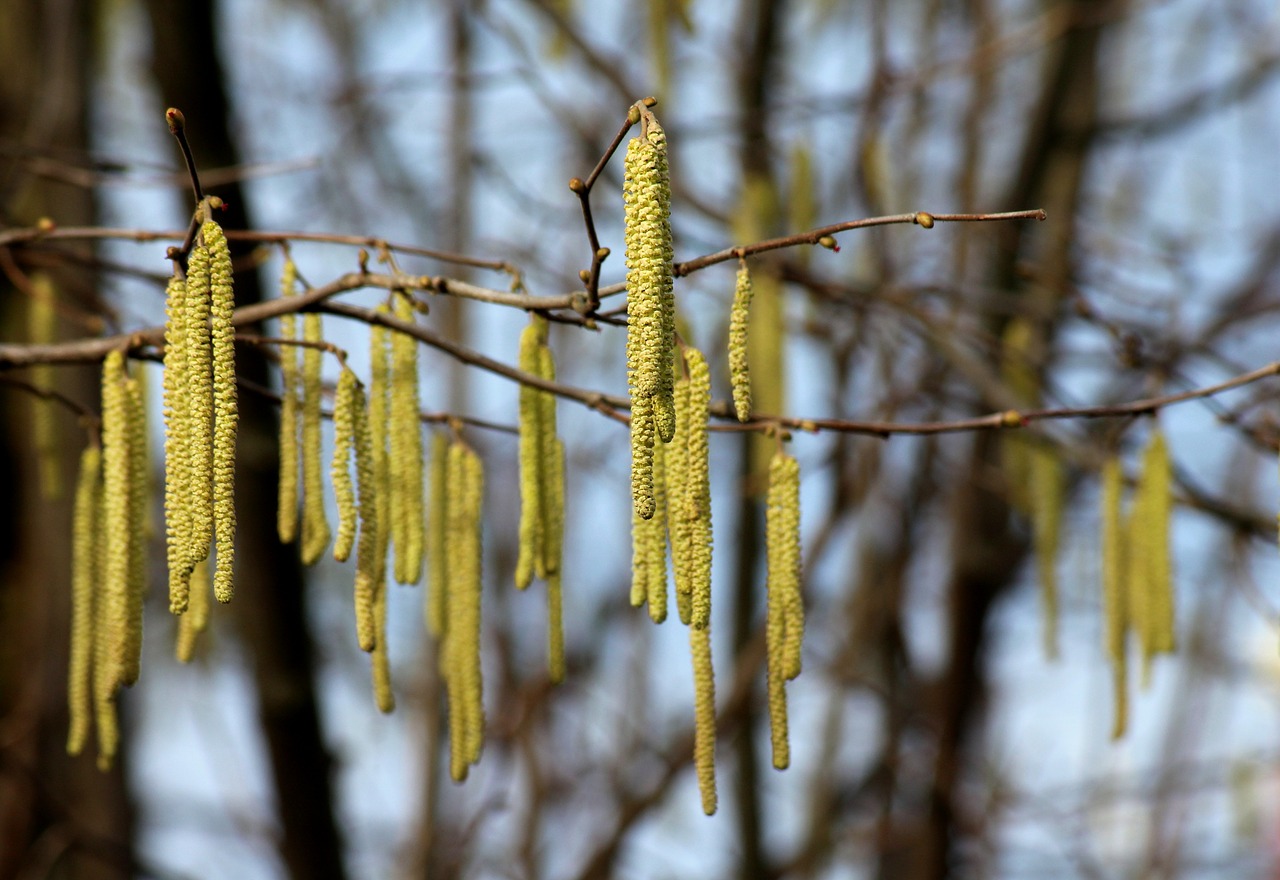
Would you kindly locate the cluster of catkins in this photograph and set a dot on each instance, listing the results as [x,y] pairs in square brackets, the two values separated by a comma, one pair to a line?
[670,389]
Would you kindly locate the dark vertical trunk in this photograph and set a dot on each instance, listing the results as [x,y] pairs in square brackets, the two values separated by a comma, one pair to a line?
[59,816]
[270,603]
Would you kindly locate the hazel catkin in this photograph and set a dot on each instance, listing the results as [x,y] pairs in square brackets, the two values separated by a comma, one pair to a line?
[225,407]
[315,525]
[405,445]
[287,512]
[739,320]
[784,626]
[84,577]
[177,513]
[1114,605]
[344,436]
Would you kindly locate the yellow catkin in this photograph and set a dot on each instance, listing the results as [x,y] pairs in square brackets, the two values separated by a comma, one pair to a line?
[315,526]
[379,419]
[177,514]
[1114,605]
[84,579]
[555,538]
[677,483]
[552,479]
[704,728]
[1048,498]
[196,619]
[405,450]
[530,560]
[1149,567]
[649,547]
[383,697]
[371,552]
[695,508]
[198,424]
[435,606]
[136,426]
[111,609]
[226,408]
[344,438]
[739,364]
[784,613]
[287,513]
[42,326]
[650,299]
[462,637]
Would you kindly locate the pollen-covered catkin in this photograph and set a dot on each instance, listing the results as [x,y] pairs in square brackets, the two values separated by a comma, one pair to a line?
[136,428]
[650,301]
[696,503]
[739,320]
[438,526]
[315,526]
[704,728]
[1114,606]
[371,551]
[1149,567]
[530,560]
[462,635]
[642,440]
[177,514]
[84,577]
[344,436]
[555,538]
[406,450]
[198,390]
[226,408]
[784,626]
[383,696]
[649,547]
[287,513]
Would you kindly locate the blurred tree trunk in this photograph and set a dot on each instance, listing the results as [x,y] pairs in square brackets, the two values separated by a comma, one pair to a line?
[270,603]
[59,817]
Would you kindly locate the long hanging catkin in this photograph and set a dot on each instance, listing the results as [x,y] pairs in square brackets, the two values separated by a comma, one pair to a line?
[287,513]
[225,406]
[177,511]
[784,625]
[198,390]
[531,561]
[704,728]
[405,462]
[315,526]
[650,302]
[462,633]
[84,577]
[1114,605]
[344,440]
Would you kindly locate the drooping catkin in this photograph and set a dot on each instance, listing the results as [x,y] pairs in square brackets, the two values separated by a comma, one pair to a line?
[84,579]
[1114,605]
[677,479]
[642,440]
[383,697]
[135,592]
[226,408]
[650,300]
[553,475]
[1150,580]
[287,512]
[530,560]
[405,461]
[198,424]
[695,507]
[111,604]
[344,438]
[649,547]
[784,625]
[704,727]
[315,526]
[42,325]
[462,633]
[177,513]
[555,538]
[371,549]
[436,603]
[196,619]
[739,364]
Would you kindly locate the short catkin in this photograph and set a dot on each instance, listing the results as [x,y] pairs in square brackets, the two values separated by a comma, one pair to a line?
[344,439]
[739,320]
[287,512]
[226,408]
